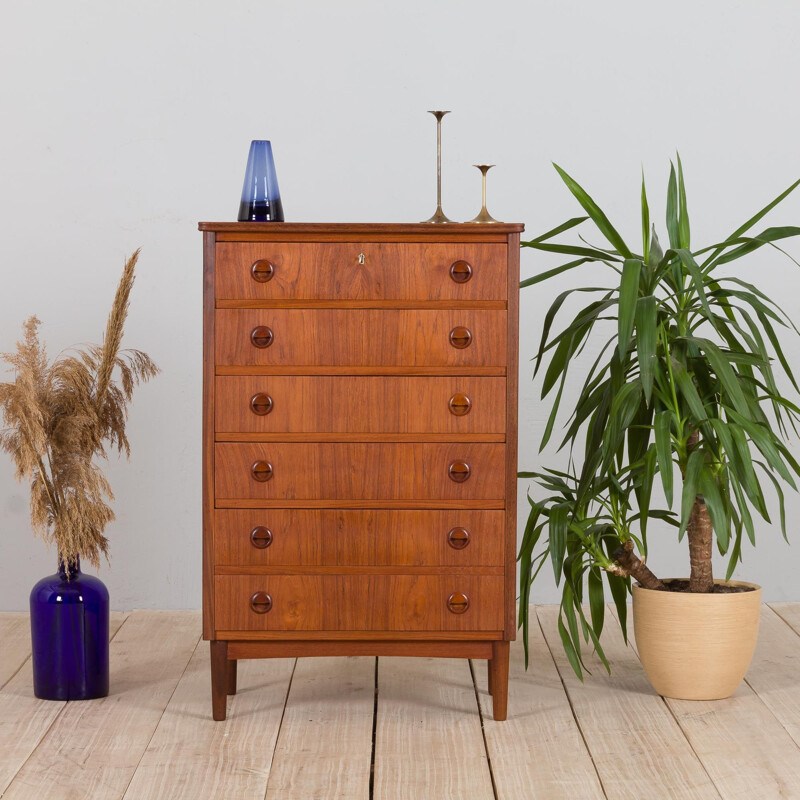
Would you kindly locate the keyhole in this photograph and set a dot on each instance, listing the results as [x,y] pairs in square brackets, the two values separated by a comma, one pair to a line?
[362,259]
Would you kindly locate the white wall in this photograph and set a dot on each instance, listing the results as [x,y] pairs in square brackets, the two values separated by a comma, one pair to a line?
[126,123]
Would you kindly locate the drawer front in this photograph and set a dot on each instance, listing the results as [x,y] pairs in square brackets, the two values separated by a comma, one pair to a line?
[360,471]
[348,537]
[391,271]
[358,603]
[360,337]
[345,404]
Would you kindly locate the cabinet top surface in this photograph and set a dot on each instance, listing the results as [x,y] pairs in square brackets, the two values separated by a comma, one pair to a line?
[322,228]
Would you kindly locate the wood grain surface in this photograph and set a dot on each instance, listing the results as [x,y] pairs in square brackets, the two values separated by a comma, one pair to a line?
[366,405]
[384,603]
[390,271]
[360,337]
[363,537]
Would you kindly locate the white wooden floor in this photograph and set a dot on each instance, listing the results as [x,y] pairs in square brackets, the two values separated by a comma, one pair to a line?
[395,728]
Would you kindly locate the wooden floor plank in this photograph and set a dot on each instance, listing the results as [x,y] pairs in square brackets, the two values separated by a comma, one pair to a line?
[92,749]
[428,732]
[191,757]
[774,673]
[24,719]
[15,643]
[741,742]
[538,751]
[789,612]
[637,746]
[325,742]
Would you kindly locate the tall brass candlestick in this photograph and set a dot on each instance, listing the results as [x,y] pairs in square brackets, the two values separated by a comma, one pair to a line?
[484,215]
[439,215]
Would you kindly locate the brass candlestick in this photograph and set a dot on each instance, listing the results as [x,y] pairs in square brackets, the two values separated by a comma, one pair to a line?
[484,215]
[439,215]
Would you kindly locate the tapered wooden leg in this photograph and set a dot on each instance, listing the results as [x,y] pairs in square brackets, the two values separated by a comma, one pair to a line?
[489,676]
[219,679]
[232,676]
[498,669]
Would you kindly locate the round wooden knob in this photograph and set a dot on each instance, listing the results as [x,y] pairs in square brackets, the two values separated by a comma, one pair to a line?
[458,471]
[460,271]
[261,537]
[261,404]
[457,603]
[261,471]
[458,538]
[460,337]
[262,270]
[261,602]
[459,404]
[261,336]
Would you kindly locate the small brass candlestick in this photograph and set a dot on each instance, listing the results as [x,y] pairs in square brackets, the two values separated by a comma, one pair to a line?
[484,215]
[439,215]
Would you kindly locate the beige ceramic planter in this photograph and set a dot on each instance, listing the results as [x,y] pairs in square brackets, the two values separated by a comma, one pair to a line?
[696,646]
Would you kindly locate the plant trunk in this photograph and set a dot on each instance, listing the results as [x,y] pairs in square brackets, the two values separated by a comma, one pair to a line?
[701,542]
[700,533]
[635,567]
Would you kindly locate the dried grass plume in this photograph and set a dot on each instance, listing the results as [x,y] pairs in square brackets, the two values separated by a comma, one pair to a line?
[61,417]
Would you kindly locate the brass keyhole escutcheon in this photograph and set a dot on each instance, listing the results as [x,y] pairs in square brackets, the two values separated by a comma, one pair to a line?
[362,259]
[262,270]
[460,337]
[459,404]
[261,336]
[261,537]
[458,538]
[458,471]
[460,271]
[261,471]
[261,404]
[261,602]
[457,603]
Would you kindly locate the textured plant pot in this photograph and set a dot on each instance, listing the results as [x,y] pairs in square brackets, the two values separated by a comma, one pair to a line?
[696,646]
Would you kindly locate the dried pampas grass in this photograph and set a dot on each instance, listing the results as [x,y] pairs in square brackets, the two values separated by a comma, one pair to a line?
[61,416]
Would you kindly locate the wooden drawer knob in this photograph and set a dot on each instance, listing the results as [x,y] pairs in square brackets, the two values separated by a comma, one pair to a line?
[457,603]
[261,537]
[458,471]
[262,270]
[460,337]
[261,471]
[261,602]
[460,271]
[261,404]
[459,404]
[458,538]
[261,336]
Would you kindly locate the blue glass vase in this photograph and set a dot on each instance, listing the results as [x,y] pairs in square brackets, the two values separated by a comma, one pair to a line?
[69,636]
[261,198]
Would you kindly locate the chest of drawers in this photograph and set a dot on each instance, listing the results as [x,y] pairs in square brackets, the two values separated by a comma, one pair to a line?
[359,443]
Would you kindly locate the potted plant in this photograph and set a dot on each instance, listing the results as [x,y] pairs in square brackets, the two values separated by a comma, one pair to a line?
[685,379]
[60,417]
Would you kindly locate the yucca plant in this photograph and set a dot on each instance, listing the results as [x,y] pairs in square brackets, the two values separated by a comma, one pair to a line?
[686,378]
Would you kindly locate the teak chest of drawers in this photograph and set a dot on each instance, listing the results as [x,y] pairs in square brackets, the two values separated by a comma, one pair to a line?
[359,443]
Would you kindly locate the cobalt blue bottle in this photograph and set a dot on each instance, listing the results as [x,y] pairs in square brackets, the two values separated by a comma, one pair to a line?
[261,198]
[69,636]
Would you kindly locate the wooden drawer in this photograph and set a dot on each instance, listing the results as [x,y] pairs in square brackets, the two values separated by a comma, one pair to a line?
[391,271]
[358,603]
[360,471]
[347,404]
[304,337]
[368,537]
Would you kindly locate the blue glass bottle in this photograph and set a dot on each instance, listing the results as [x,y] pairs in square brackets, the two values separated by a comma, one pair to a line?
[261,198]
[69,636]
